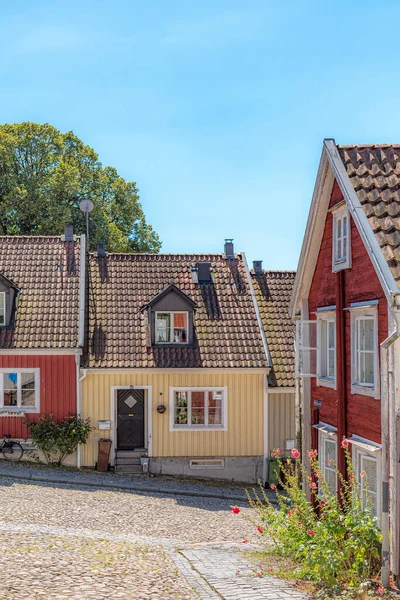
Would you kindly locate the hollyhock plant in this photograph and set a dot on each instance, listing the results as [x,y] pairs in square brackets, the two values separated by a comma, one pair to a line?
[323,544]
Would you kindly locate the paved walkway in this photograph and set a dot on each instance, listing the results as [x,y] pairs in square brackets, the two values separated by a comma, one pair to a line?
[82,541]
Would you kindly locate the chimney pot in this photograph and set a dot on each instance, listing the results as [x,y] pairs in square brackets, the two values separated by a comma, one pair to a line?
[257,267]
[228,248]
[69,232]
[101,251]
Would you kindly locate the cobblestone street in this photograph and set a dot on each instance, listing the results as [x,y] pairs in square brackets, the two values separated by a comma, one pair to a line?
[63,541]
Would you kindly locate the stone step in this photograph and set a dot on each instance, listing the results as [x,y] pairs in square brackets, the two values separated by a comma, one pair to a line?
[126,460]
[129,453]
[129,469]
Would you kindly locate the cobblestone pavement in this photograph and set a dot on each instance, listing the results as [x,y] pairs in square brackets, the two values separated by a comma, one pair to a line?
[62,541]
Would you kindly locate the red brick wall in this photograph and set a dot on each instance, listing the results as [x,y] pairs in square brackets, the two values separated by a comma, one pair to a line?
[57,388]
[361,283]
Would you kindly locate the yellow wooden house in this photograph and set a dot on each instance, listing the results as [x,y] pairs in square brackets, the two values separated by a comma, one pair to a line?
[177,366]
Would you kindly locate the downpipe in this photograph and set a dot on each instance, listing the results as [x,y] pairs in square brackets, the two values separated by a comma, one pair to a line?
[387,394]
[79,402]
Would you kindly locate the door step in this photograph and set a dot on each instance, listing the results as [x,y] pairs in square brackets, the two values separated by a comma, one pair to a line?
[127,462]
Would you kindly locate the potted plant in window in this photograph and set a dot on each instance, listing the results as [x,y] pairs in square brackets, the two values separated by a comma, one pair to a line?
[144,461]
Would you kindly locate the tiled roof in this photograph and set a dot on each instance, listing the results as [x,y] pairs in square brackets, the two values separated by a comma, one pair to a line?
[120,285]
[273,291]
[46,272]
[374,172]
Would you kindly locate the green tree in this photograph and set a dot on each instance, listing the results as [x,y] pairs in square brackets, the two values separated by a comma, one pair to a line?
[44,174]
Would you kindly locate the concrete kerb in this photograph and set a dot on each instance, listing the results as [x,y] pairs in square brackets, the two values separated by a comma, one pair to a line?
[122,486]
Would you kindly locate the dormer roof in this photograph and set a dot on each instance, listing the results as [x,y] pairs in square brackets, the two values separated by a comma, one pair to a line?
[172,288]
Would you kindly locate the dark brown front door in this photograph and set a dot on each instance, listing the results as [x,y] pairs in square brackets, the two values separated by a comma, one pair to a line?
[130,419]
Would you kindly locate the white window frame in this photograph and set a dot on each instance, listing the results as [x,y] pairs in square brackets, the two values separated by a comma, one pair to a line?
[324,318]
[188,427]
[359,455]
[19,408]
[338,262]
[4,309]
[322,439]
[359,313]
[171,313]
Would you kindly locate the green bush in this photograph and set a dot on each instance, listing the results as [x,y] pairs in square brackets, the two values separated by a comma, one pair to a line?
[57,440]
[331,537]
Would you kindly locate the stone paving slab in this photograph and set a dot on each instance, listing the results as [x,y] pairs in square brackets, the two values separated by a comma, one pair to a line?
[229,573]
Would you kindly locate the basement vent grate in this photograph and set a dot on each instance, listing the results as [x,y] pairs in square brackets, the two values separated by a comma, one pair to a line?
[207,463]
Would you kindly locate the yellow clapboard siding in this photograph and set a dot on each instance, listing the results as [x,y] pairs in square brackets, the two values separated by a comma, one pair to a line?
[281,422]
[243,437]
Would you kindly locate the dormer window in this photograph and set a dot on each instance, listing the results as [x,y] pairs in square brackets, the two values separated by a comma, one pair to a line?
[341,239]
[2,308]
[171,327]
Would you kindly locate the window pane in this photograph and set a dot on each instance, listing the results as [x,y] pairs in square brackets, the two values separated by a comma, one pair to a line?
[10,381]
[330,452]
[331,363]
[180,328]
[215,408]
[331,332]
[330,478]
[181,408]
[28,398]
[339,229]
[198,408]
[2,309]
[367,367]
[367,334]
[344,220]
[10,397]
[28,381]
[163,327]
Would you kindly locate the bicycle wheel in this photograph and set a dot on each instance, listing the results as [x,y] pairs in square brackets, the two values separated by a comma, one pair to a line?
[12,451]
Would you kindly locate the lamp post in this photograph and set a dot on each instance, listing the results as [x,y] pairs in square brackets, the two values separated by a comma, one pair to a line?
[86,207]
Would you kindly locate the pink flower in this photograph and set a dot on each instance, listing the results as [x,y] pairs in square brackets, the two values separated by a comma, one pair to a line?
[295,453]
[329,462]
[244,541]
[362,474]
[260,530]
[313,485]
[315,452]
[319,475]
[272,486]
[271,570]
[273,454]
[235,510]
[345,443]
[351,477]
[380,590]
[259,574]
[289,512]
[278,451]
[310,531]
[311,454]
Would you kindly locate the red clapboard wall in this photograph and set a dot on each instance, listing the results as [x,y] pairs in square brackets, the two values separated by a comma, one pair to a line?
[363,414]
[57,388]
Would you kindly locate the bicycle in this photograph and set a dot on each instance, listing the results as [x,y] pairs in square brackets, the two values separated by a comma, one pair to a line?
[12,451]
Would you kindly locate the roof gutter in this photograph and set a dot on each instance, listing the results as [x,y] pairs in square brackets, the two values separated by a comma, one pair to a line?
[257,310]
[82,289]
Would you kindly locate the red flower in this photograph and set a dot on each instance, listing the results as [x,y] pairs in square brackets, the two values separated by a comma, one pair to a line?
[235,510]
[289,512]
[272,486]
[273,454]
[244,541]
[295,453]
[310,531]
[271,570]
[345,443]
[362,474]
[259,530]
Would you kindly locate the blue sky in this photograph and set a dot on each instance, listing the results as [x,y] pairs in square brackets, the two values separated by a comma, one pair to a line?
[217,109]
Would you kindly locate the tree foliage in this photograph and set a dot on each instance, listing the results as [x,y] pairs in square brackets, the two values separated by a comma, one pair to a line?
[44,174]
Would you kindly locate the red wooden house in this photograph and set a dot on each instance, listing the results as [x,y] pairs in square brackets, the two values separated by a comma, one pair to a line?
[41,328]
[346,299]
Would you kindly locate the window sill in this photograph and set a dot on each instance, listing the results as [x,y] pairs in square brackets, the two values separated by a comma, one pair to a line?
[364,390]
[17,412]
[340,265]
[331,383]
